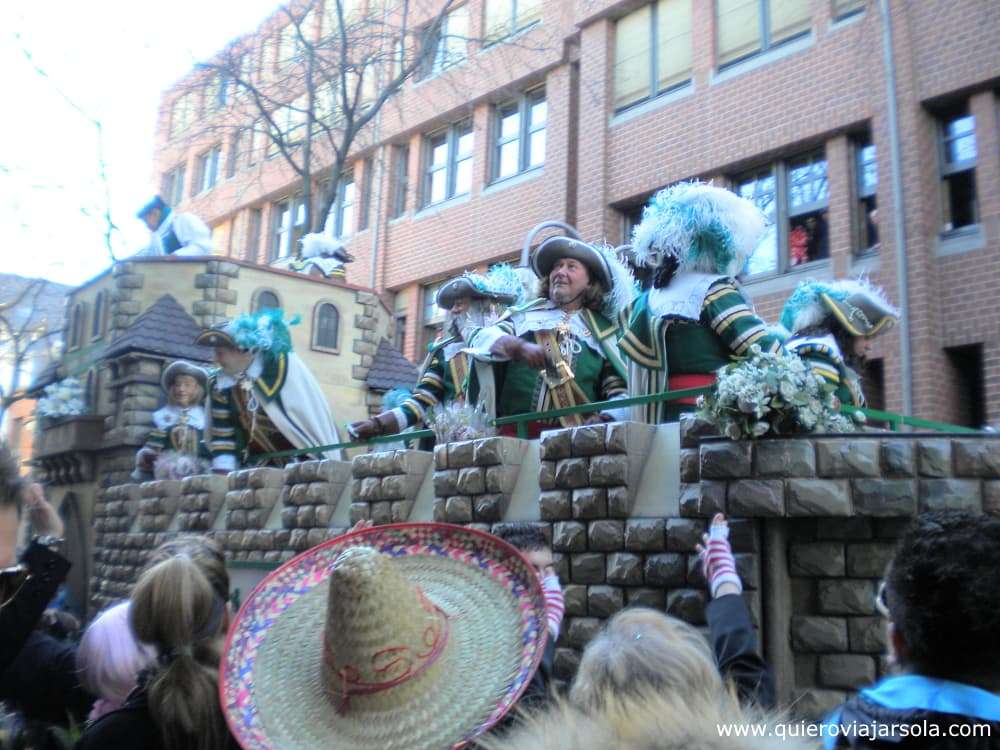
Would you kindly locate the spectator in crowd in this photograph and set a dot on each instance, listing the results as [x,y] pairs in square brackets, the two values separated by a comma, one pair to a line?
[941,601]
[37,671]
[650,681]
[110,659]
[179,606]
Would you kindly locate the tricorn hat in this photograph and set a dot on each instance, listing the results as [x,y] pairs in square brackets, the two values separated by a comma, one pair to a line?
[417,636]
[180,367]
[858,307]
[155,203]
[500,285]
[603,262]
[262,331]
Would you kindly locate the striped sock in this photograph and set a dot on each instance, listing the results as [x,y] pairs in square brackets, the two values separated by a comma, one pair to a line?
[717,560]
[555,604]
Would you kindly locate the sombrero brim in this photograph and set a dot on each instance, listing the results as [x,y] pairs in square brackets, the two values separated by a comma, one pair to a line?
[462,287]
[555,248]
[270,685]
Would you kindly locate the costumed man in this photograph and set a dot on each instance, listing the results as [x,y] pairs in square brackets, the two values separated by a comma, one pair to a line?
[175,448]
[321,253]
[832,325]
[174,233]
[560,349]
[449,373]
[696,317]
[263,399]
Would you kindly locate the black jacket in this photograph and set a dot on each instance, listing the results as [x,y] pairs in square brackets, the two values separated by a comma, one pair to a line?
[735,646]
[908,711]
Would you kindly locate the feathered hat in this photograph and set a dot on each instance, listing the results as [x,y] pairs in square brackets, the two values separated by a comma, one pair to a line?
[707,229]
[602,260]
[317,245]
[500,284]
[860,308]
[263,331]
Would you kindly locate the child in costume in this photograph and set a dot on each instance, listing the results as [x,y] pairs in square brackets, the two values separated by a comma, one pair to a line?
[263,397]
[695,318]
[448,373]
[831,326]
[175,448]
[560,349]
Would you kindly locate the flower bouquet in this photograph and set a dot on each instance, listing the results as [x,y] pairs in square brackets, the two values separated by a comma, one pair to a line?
[62,399]
[458,421]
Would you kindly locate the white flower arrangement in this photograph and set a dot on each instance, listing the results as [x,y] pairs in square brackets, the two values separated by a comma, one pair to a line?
[771,394]
[62,399]
[459,421]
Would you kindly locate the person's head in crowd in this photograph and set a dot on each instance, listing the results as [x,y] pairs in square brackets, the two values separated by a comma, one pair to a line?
[942,598]
[179,606]
[642,651]
[11,492]
[110,659]
[531,541]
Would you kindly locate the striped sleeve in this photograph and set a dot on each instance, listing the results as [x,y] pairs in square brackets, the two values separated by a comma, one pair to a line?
[156,439]
[429,392]
[221,438]
[823,363]
[612,385]
[727,312]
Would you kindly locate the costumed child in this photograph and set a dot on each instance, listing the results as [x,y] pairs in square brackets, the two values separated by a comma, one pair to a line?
[832,325]
[175,448]
[696,318]
[263,398]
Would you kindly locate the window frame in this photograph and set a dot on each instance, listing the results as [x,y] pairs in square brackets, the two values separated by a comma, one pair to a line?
[365,199]
[511,28]
[523,105]
[97,323]
[862,193]
[453,135]
[766,43]
[654,62]
[428,299]
[840,15]
[314,338]
[948,169]
[441,61]
[208,168]
[175,194]
[258,292]
[400,180]
[295,203]
[334,222]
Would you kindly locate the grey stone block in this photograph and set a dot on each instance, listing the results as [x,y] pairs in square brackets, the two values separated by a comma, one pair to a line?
[609,470]
[819,497]
[555,444]
[471,481]
[461,454]
[619,502]
[884,497]
[458,509]
[899,458]
[488,508]
[991,497]
[977,458]
[846,597]
[693,429]
[757,497]
[934,458]
[847,458]
[587,567]
[645,535]
[690,465]
[588,440]
[703,499]
[606,535]
[547,475]
[604,601]
[684,534]
[695,572]
[850,671]
[725,459]
[440,457]
[491,451]
[581,630]
[815,704]
[572,473]
[395,486]
[306,516]
[590,502]
[555,506]
[382,513]
[819,634]
[569,536]
[688,605]
[646,597]
[575,599]
[445,482]
[868,635]
[785,458]
[624,569]
[958,494]
[852,529]
[868,559]
[665,570]
[565,664]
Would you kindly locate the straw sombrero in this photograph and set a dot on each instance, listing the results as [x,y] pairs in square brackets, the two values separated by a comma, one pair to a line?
[417,636]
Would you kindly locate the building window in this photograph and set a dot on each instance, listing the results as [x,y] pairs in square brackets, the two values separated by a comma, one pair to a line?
[172,187]
[182,113]
[450,44]
[236,144]
[77,325]
[958,152]
[745,28]
[431,315]
[506,17]
[218,91]
[399,335]
[844,8]
[966,373]
[794,196]
[866,217]
[449,164]
[288,220]
[367,176]
[520,135]
[401,180]
[208,169]
[652,51]
[100,315]
[340,219]
[265,299]
[254,222]
[326,327]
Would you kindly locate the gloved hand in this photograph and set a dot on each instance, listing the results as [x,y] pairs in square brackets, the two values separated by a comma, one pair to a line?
[519,350]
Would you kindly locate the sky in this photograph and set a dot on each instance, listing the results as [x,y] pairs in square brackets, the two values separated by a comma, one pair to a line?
[108,60]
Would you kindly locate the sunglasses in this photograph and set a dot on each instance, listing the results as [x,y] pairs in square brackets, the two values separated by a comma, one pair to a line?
[881,605]
[11,580]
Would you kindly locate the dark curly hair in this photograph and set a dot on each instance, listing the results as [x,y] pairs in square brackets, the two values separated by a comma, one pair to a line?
[11,483]
[943,594]
[523,535]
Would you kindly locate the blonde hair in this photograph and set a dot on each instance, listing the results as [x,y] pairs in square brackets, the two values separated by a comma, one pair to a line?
[179,606]
[640,650]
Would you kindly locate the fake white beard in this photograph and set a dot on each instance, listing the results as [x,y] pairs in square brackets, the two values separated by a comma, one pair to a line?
[477,316]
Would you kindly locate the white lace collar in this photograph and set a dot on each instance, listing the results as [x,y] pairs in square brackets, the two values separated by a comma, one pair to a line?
[172,414]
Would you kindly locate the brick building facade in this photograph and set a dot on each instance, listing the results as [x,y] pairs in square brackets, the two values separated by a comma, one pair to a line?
[783,100]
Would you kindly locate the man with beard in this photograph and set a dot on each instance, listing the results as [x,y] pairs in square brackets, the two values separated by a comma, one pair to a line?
[560,350]
[448,373]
